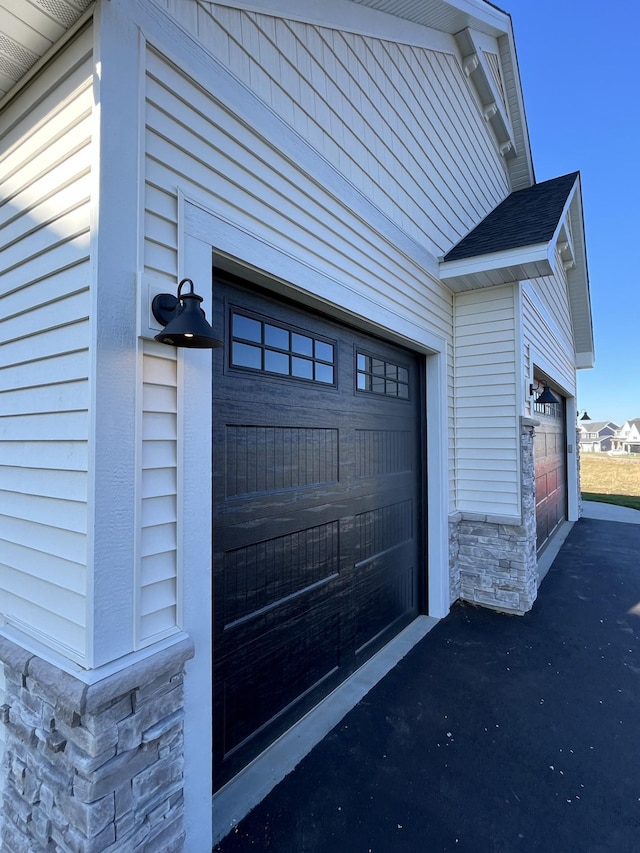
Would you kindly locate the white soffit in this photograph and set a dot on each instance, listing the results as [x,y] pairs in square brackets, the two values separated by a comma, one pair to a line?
[28,30]
[497,267]
[446,17]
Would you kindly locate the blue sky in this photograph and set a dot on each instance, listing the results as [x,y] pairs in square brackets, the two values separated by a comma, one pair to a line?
[580,70]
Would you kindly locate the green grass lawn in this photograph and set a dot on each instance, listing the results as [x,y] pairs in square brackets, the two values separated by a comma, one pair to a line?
[618,500]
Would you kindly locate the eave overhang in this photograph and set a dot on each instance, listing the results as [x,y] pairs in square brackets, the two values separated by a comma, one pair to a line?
[498,268]
[529,235]
[31,32]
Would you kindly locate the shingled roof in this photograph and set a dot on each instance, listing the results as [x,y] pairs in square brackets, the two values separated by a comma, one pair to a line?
[525,218]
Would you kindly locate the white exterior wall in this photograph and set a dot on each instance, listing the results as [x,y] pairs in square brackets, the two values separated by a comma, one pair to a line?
[487,402]
[547,346]
[552,292]
[45,185]
[428,178]
[395,126]
[380,111]
[3,735]
[157,594]
[546,332]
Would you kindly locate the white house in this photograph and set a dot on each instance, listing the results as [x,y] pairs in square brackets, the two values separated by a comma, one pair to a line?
[198,545]
[629,436]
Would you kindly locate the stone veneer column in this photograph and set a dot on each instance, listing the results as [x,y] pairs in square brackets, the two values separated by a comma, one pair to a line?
[496,558]
[578,472]
[91,768]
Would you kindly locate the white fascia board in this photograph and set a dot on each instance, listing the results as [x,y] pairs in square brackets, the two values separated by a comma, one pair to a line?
[347,16]
[585,360]
[563,216]
[538,253]
[578,278]
[524,149]
[486,12]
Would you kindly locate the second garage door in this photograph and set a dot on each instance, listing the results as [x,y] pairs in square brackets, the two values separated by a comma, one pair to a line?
[318,507]
[550,470]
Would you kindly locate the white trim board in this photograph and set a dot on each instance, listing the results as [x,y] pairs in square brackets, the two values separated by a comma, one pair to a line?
[349,17]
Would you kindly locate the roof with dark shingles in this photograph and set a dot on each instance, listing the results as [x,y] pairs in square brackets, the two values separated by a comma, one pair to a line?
[525,218]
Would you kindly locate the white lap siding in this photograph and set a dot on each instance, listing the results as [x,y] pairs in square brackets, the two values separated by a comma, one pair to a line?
[548,343]
[157,599]
[553,295]
[3,735]
[487,434]
[45,177]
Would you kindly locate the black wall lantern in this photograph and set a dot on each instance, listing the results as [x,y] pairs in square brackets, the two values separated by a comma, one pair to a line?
[547,395]
[184,321]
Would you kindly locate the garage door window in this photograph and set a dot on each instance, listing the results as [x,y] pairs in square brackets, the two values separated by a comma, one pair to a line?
[271,347]
[379,376]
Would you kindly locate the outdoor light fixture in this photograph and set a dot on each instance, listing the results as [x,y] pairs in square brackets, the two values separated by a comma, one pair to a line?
[547,396]
[583,416]
[184,321]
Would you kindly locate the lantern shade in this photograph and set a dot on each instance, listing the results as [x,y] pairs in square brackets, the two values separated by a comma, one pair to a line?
[547,397]
[184,321]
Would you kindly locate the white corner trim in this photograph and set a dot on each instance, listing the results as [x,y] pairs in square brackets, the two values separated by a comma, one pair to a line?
[437,558]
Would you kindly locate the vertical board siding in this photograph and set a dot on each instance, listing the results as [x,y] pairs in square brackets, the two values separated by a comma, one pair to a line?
[487,478]
[45,174]
[400,122]
[157,598]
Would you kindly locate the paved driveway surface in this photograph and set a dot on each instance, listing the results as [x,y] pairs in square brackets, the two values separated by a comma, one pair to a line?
[494,734]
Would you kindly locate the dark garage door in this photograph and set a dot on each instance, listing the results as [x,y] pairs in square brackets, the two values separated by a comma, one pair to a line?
[317,512]
[550,470]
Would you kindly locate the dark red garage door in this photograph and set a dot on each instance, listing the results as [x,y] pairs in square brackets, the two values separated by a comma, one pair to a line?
[550,470]
[317,512]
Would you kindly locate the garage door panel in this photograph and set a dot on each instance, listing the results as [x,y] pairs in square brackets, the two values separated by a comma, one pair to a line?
[264,679]
[266,573]
[317,540]
[385,593]
[263,459]
[550,472]
[381,452]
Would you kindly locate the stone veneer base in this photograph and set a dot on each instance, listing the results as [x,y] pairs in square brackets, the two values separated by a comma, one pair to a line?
[93,768]
[495,557]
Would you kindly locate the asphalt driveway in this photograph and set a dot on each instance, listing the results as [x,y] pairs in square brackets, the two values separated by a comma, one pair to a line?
[494,734]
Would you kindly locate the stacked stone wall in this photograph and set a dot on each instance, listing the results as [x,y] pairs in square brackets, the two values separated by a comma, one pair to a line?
[495,557]
[93,768]
[577,445]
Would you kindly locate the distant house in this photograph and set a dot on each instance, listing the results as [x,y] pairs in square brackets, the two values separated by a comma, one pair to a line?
[199,545]
[628,436]
[597,436]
